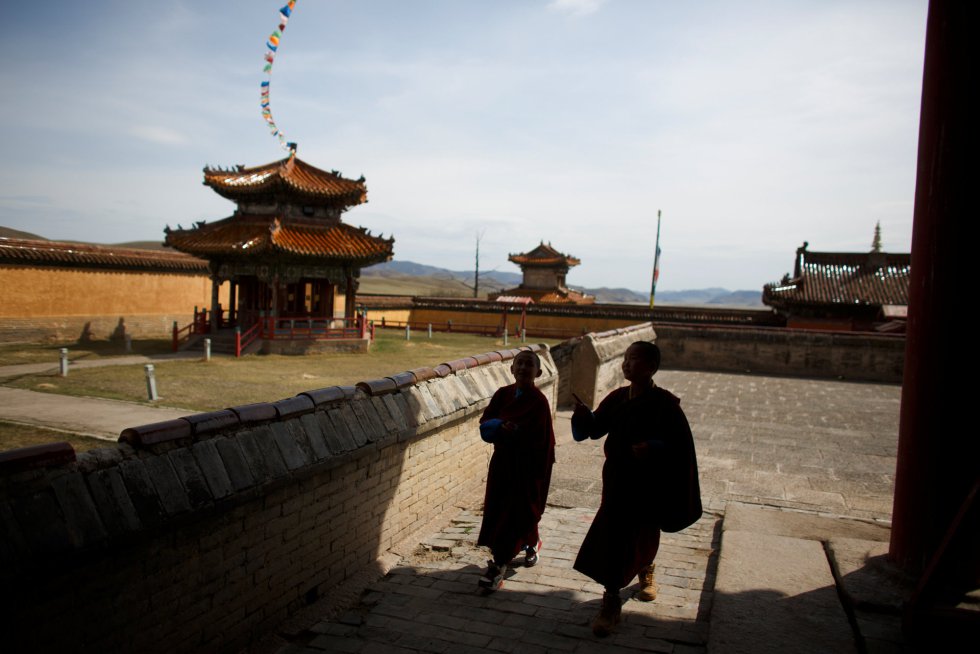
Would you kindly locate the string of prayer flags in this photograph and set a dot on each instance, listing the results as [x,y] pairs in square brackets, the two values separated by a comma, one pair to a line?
[272,46]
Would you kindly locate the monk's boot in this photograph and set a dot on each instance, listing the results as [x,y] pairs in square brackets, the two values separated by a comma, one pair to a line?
[609,615]
[648,585]
[493,579]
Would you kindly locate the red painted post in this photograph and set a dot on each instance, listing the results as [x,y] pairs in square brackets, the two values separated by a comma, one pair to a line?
[937,450]
[176,343]
[238,342]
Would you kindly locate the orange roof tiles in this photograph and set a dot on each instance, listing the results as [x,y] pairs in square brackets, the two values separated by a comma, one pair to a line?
[290,177]
[83,255]
[247,236]
[544,255]
[843,278]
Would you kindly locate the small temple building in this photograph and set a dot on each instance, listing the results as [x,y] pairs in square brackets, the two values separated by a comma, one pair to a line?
[854,291]
[544,270]
[292,264]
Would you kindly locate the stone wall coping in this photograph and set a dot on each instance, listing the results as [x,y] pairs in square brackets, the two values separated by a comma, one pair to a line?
[251,414]
[157,432]
[36,456]
[378,386]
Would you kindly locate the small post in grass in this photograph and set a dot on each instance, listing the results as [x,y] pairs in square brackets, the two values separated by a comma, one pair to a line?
[523,335]
[430,330]
[207,349]
[63,362]
[151,383]
[505,336]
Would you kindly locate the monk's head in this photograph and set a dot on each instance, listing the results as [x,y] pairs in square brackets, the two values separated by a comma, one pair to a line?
[641,361]
[526,367]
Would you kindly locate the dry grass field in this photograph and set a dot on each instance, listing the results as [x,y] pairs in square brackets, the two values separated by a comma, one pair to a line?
[225,381]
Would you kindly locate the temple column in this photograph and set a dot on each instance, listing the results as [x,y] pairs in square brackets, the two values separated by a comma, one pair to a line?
[215,310]
[232,302]
[351,297]
[938,451]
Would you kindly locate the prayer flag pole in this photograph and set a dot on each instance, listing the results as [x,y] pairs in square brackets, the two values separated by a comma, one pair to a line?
[656,263]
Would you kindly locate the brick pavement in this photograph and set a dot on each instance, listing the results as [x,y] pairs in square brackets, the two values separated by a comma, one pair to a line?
[807,447]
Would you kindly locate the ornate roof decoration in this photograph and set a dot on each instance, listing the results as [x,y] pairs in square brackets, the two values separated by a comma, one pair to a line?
[31,252]
[287,179]
[246,236]
[544,255]
[842,278]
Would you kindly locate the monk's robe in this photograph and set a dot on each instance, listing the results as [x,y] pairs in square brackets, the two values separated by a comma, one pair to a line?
[520,470]
[642,494]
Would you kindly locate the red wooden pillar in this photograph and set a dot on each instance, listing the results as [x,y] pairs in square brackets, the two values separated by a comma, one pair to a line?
[938,447]
[350,299]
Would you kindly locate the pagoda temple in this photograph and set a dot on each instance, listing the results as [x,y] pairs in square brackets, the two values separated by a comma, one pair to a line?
[544,270]
[285,251]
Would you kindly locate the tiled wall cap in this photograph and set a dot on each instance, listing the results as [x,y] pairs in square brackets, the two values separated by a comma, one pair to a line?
[294,406]
[254,413]
[539,347]
[213,421]
[36,456]
[494,356]
[443,370]
[157,432]
[423,374]
[459,364]
[328,395]
[349,391]
[377,386]
[507,355]
[403,379]
[482,358]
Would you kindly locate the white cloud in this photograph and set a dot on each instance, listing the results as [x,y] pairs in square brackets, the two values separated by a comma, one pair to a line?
[577,7]
[158,134]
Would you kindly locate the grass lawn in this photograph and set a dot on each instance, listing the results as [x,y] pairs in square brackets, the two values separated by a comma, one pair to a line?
[226,382]
[14,435]
[15,353]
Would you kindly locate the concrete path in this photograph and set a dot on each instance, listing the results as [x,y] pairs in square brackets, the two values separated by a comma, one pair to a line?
[87,416]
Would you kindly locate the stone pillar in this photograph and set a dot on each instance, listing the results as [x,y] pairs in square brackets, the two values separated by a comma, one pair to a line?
[938,449]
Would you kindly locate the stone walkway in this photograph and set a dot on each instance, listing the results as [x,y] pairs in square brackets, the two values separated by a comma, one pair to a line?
[797,479]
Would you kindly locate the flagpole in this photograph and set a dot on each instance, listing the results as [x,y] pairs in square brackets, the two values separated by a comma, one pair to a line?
[656,263]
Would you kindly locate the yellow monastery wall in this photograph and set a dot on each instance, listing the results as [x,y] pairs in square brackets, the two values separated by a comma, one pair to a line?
[577,324]
[55,304]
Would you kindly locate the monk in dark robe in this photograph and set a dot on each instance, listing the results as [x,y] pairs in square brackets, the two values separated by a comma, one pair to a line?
[518,423]
[649,481]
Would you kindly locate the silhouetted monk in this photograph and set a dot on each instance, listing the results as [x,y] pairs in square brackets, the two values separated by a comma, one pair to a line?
[518,423]
[649,481]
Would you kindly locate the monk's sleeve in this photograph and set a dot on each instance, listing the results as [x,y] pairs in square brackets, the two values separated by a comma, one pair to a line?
[591,424]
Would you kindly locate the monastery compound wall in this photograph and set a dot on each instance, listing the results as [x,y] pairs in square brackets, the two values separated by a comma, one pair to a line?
[39,304]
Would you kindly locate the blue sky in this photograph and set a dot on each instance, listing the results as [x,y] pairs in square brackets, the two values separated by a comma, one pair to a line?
[752,125]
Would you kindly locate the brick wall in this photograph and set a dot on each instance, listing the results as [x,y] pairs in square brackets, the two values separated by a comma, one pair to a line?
[770,351]
[202,534]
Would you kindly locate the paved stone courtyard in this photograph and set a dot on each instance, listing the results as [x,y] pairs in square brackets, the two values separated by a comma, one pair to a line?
[800,446]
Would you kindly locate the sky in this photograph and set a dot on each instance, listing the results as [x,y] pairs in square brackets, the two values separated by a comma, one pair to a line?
[751,126]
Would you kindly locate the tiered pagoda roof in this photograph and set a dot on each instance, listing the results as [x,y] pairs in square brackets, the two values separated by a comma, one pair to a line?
[31,252]
[286,209]
[545,256]
[289,178]
[823,279]
[248,236]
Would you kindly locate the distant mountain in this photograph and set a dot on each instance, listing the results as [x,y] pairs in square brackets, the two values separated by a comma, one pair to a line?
[7,232]
[407,277]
